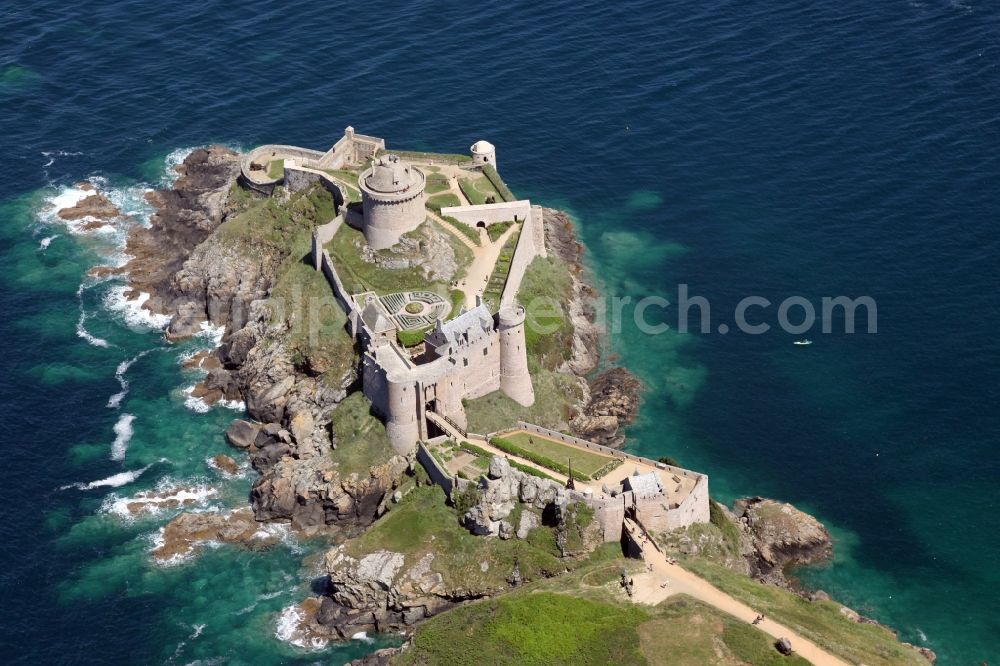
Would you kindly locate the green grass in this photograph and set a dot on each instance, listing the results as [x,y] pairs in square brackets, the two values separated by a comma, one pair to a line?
[585,462]
[439,201]
[436,182]
[279,232]
[541,628]
[755,647]
[361,438]
[498,279]
[457,298]
[411,337]
[555,395]
[423,523]
[820,621]
[473,194]
[276,169]
[545,292]
[358,275]
[349,182]
[507,446]
[467,231]
[504,193]
[484,457]
[417,155]
[497,230]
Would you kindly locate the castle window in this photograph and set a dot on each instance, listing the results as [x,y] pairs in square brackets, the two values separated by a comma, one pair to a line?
[485,351]
[465,362]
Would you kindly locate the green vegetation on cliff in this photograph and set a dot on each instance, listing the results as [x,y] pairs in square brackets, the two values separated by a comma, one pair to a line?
[347,251]
[422,523]
[546,291]
[277,233]
[361,439]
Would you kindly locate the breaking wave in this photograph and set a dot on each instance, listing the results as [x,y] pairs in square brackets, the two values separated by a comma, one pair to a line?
[45,242]
[115,401]
[114,481]
[123,435]
[131,310]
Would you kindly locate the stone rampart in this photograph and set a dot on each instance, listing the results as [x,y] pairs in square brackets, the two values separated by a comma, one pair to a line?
[490,213]
[322,235]
[438,474]
[298,177]
[330,272]
[524,253]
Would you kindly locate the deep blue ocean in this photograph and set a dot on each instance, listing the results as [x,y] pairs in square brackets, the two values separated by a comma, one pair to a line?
[743,149]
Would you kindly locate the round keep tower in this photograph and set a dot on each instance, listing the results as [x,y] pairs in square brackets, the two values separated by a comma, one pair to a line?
[515,380]
[401,418]
[392,194]
[483,152]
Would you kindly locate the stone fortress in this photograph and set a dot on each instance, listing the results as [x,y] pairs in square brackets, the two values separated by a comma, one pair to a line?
[477,351]
[469,356]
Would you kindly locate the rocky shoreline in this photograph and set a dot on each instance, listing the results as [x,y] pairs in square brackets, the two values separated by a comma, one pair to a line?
[612,397]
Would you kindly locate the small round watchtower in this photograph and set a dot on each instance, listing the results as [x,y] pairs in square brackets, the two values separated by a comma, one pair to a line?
[483,152]
[515,380]
[392,194]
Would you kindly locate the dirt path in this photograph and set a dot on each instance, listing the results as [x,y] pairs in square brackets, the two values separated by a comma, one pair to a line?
[484,258]
[682,581]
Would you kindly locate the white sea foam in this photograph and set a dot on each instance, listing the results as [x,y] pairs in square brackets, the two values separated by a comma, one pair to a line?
[362,636]
[45,242]
[174,159]
[167,495]
[135,316]
[53,154]
[67,197]
[115,401]
[123,435]
[196,404]
[157,541]
[289,629]
[82,332]
[923,636]
[81,329]
[212,333]
[263,597]
[114,481]
[193,403]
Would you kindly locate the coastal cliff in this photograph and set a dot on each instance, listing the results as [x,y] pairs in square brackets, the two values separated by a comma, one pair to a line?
[611,397]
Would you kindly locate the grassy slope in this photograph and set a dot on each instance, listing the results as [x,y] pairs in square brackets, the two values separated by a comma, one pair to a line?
[545,292]
[820,621]
[301,295]
[361,438]
[422,523]
[555,394]
[584,618]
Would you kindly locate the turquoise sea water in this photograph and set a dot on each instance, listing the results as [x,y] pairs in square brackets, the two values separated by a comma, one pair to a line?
[813,149]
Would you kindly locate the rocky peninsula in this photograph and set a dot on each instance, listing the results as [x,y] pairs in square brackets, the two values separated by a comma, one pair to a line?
[217,254]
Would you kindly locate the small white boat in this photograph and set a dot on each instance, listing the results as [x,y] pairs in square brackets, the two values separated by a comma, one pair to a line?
[802,342]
